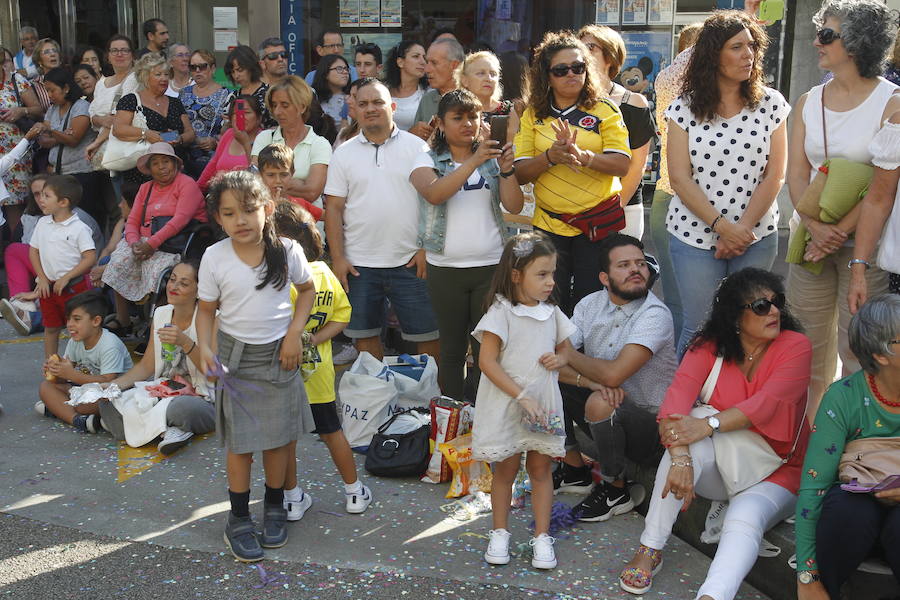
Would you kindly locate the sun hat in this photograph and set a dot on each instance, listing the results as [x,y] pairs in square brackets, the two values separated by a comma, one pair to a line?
[163,148]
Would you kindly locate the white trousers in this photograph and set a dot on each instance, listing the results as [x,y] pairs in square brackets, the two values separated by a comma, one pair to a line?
[634,221]
[750,514]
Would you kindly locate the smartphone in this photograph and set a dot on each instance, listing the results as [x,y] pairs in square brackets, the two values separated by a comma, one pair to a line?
[888,483]
[239,117]
[172,384]
[169,136]
[499,127]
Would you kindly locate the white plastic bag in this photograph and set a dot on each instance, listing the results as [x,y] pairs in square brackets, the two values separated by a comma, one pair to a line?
[368,398]
[543,389]
[143,415]
[416,379]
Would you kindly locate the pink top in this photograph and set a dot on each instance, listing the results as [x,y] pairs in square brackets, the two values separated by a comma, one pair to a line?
[222,160]
[181,200]
[774,401]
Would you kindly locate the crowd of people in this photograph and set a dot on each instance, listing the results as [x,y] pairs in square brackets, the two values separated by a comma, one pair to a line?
[381,190]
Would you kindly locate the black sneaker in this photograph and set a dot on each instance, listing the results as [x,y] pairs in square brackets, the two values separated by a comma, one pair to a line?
[605,501]
[274,527]
[240,537]
[572,480]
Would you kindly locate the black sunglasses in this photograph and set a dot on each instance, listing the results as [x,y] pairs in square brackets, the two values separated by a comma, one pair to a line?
[762,306]
[275,55]
[577,68]
[827,35]
[199,66]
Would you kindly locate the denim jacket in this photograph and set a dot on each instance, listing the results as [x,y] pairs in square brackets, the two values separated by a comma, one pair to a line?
[433,218]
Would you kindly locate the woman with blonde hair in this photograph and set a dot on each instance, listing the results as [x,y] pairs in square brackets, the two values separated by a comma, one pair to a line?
[480,74]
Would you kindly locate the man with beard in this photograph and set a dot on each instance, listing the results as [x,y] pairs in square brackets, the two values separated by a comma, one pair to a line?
[613,387]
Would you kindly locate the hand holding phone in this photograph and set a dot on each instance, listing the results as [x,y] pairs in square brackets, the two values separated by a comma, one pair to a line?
[240,122]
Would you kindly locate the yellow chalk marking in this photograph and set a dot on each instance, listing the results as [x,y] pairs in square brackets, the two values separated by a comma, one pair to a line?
[134,461]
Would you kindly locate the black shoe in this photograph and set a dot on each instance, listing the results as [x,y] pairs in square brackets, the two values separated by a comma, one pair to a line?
[240,537]
[572,480]
[274,529]
[605,501]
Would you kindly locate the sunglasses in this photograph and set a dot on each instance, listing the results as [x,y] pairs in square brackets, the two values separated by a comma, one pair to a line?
[762,306]
[275,55]
[199,67]
[827,35]
[577,68]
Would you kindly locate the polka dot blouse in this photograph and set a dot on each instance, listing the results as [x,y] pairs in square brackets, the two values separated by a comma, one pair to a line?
[728,157]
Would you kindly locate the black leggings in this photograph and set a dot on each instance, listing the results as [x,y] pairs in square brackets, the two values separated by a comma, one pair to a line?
[577,269]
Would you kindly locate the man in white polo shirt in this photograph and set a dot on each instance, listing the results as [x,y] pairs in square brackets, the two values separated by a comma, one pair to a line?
[371,221]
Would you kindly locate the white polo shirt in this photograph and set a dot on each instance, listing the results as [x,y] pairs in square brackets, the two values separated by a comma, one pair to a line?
[381,217]
[312,150]
[61,244]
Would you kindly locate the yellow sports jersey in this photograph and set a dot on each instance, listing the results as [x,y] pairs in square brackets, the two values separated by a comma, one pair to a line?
[331,305]
[559,189]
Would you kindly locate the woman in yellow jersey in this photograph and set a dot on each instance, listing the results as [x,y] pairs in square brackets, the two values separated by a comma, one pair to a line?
[573,145]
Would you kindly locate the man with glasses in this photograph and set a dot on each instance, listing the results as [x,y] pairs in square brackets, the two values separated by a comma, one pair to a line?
[24,61]
[443,56]
[156,34]
[368,60]
[330,42]
[273,59]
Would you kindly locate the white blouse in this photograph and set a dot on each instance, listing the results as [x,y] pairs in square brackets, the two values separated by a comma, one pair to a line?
[885,149]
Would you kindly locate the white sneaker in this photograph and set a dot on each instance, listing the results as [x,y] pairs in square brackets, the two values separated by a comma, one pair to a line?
[296,510]
[497,552]
[543,556]
[17,317]
[358,503]
[173,440]
[347,355]
[40,409]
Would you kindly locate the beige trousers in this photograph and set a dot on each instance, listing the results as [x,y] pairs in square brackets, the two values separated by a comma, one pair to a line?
[820,303]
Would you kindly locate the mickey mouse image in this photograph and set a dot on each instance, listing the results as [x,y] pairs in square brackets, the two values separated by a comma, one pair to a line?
[634,79]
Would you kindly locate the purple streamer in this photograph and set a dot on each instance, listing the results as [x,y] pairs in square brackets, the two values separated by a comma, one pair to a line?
[561,517]
[266,579]
[237,388]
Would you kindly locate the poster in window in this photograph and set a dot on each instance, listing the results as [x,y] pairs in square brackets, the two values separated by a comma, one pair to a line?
[607,12]
[369,13]
[349,13]
[661,12]
[503,10]
[634,12]
[391,13]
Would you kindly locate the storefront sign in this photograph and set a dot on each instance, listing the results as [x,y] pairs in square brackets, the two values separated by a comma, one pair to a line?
[607,12]
[291,16]
[225,17]
[225,39]
[391,13]
[634,12]
[369,13]
[348,13]
[661,12]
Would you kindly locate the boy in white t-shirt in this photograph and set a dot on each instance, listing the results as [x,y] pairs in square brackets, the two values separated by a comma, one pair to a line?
[62,254]
[93,355]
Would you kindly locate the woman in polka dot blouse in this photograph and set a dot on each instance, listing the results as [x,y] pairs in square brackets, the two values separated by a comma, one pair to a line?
[727,154]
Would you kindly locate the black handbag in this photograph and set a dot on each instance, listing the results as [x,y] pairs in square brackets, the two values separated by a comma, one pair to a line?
[175,244]
[400,454]
[23,123]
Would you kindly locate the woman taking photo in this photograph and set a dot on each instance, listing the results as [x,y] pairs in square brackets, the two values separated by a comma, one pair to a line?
[727,153]
[331,85]
[404,74]
[852,40]
[608,49]
[289,102]
[576,176]
[205,102]
[243,70]
[760,387]
[179,57]
[462,227]
[233,151]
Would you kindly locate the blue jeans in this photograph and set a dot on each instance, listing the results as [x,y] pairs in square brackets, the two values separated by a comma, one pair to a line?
[408,295]
[660,237]
[698,273]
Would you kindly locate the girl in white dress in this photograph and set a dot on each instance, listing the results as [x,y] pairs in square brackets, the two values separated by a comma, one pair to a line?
[522,337]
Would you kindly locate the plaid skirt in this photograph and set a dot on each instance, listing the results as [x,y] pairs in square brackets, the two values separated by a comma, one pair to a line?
[259,405]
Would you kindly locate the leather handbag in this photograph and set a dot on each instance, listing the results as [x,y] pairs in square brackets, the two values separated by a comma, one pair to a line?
[120,155]
[398,454]
[870,460]
[175,244]
[743,457]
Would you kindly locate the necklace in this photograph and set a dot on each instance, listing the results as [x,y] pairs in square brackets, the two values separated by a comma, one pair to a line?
[759,348]
[878,395]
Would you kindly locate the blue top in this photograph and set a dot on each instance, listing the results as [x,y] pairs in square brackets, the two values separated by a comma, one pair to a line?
[205,113]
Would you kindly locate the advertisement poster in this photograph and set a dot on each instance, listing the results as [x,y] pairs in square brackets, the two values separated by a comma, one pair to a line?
[634,12]
[369,13]
[607,12]
[385,41]
[503,10]
[391,13]
[348,13]
[661,12]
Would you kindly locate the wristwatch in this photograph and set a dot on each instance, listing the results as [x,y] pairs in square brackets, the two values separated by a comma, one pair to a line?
[713,422]
[807,577]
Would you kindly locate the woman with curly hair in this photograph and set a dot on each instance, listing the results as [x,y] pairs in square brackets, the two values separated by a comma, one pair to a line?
[727,153]
[404,75]
[852,39]
[763,363]
[573,145]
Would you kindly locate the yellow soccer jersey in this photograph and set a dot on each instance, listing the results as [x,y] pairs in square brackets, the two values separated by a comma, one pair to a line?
[559,189]
[331,305]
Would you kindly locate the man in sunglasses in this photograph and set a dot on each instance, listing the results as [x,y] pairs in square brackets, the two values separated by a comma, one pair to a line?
[273,59]
[613,387]
[330,41]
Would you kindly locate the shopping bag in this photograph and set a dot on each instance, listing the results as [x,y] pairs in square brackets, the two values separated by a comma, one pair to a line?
[542,389]
[368,398]
[469,476]
[416,379]
[449,418]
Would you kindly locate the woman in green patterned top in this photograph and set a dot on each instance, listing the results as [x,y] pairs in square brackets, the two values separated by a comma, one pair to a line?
[836,529]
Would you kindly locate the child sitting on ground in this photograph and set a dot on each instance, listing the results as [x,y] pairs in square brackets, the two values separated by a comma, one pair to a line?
[329,316]
[276,166]
[62,252]
[93,355]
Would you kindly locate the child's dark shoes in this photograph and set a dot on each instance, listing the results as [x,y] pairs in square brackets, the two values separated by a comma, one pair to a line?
[240,537]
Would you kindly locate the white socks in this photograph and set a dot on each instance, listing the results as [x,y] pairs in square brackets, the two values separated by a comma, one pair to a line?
[353,488]
[294,495]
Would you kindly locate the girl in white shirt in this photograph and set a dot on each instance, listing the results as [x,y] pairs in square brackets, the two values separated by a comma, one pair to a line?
[261,403]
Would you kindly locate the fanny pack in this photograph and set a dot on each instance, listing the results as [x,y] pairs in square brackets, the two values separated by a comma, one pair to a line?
[596,222]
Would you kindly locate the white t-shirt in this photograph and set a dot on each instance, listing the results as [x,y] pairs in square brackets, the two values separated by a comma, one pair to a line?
[728,157]
[106,98]
[250,315]
[381,217]
[108,356]
[61,244]
[472,238]
[405,113]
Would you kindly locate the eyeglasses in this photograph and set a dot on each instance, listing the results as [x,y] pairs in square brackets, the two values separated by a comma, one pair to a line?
[762,306]
[199,67]
[340,69]
[827,35]
[577,68]
[120,50]
[182,55]
[49,51]
[275,55]
[334,46]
